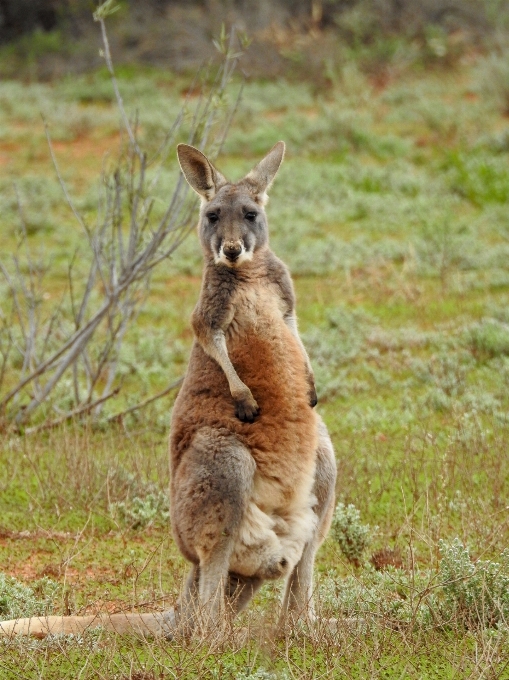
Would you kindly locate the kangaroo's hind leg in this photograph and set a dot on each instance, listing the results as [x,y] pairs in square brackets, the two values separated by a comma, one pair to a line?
[180,619]
[241,590]
[298,597]
[211,487]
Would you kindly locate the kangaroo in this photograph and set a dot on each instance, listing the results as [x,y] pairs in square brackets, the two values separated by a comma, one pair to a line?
[252,466]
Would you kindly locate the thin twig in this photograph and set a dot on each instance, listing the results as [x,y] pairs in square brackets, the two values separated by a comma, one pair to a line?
[61,181]
[148,401]
[120,102]
[72,414]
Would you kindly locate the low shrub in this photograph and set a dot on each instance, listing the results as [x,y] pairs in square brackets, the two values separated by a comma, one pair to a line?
[353,536]
[463,593]
[473,593]
[143,503]
[18,600]
[489,339]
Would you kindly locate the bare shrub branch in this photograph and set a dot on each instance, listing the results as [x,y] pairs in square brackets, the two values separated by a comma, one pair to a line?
[65,357]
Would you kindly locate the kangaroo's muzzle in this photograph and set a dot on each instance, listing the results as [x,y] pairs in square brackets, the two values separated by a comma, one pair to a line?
[232,250]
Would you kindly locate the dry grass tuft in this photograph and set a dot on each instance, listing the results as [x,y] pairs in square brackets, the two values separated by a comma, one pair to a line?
[387,557]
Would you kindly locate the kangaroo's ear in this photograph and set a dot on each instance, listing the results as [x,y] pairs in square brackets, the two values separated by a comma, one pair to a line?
[199,171]
[262,175]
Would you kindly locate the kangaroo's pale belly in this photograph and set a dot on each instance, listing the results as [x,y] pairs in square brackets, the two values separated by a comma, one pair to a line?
[270,544]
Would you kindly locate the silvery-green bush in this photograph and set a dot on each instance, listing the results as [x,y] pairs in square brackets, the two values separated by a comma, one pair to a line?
[18,600]
[353,536]
[461,593]
[474,593]
[139,512]
[134,501]
[385,595]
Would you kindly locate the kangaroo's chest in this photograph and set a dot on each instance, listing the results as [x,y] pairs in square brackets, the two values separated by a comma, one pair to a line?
[264,351]
[257,310]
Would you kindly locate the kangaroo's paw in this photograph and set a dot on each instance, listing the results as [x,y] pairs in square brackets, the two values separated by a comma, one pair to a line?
[313,398]
[246,409]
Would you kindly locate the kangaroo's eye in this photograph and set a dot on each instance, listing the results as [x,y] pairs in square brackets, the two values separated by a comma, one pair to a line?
[250,216]
[213,217]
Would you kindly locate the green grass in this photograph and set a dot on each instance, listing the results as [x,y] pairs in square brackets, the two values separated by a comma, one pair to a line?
[391,210]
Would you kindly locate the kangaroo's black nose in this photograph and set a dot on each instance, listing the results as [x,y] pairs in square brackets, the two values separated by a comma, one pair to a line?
[232,251]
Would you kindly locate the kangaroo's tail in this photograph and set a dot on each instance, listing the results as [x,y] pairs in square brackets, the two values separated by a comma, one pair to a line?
[148,625]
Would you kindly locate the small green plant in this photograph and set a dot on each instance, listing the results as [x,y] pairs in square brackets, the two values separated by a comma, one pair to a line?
[231,670]
[142,512]
[387,595]
[143,503]
[474,593]
[353,536]
[493,80]
[18,600]
[480,179]
[489,339]
[261,674]
[89,642]
[464,593]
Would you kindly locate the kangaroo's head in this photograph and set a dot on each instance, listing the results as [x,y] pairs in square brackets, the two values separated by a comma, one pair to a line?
[233,224]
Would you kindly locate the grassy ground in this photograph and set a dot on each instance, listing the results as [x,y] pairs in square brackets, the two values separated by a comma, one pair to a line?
[392,212]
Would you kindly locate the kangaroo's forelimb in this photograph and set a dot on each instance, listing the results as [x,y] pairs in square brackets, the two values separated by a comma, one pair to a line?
[211,319]
[291,322]
[280,276]
[246,408]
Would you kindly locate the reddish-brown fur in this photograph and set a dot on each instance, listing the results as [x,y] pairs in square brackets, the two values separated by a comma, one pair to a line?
[267,357]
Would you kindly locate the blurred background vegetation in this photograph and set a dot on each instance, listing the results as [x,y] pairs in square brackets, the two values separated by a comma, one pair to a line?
[296,38]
